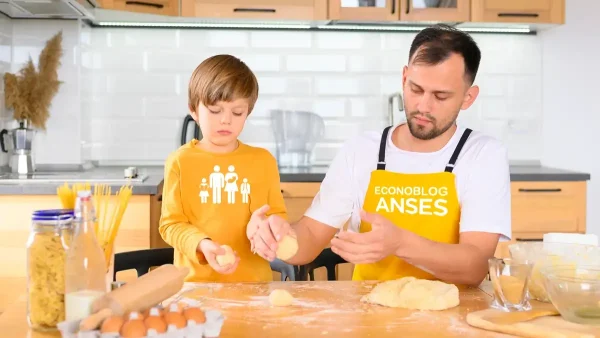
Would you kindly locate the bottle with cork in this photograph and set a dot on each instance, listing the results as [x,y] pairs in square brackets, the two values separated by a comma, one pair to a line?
[85,266]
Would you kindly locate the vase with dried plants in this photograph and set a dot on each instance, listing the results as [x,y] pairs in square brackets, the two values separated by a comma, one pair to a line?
[29,94]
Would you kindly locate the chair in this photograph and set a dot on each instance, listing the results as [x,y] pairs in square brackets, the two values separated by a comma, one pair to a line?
[286,270]
[327,259]
[142,260]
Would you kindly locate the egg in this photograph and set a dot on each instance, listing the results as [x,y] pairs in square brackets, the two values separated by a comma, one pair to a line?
[195,314]
[112,324]
[174,317]
[134,326]
[155,321]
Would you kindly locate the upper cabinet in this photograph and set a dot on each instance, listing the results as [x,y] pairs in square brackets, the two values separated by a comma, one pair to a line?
[158,7]
[518,11]
[364,10]
[256,9]
[435,10]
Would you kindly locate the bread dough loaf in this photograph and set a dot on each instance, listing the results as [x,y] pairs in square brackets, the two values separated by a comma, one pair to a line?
[227,258]
[287,247]
[280,297]
[413,293]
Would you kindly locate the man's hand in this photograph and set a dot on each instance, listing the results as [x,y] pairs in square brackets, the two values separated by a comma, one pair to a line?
[210,250]
[264,232]
[383,240]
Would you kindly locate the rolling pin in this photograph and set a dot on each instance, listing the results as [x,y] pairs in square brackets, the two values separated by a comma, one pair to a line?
[138,295]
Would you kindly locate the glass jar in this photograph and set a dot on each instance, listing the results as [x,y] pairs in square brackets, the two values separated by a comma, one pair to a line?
[85,263]
[46,252]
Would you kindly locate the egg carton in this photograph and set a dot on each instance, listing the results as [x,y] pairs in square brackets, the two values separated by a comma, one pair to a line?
[211,328]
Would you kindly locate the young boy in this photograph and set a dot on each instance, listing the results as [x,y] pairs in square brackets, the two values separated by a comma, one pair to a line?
[212,185]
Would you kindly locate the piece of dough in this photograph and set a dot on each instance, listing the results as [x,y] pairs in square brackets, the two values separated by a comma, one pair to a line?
[280,297]
[227,258]
[287,247]
[413,293]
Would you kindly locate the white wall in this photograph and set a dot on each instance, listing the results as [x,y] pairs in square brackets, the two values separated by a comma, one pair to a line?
[5,62]
[570,99]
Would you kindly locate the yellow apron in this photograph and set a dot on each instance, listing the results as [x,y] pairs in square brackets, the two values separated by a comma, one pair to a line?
[425,204]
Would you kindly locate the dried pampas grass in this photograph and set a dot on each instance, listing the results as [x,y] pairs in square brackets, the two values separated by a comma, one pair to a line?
[29,94]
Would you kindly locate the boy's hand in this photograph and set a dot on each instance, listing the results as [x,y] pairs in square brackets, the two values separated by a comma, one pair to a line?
[210,250]
[264,232]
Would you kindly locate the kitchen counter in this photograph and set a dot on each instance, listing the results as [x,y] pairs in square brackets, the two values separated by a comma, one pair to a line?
[45,182]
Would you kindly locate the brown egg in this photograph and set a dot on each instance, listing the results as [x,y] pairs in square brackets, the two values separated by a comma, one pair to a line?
[175,318]
[195,314]
[155,321]
[112,324]
[134,326]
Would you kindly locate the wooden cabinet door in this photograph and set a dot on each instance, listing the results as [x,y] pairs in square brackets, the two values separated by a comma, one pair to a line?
[364,10]
[256,9]
[298,197]
[542,207]
[435,10]
[158,7]
[515,11]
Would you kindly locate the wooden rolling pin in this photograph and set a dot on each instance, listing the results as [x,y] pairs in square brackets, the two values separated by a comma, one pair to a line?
[138,295]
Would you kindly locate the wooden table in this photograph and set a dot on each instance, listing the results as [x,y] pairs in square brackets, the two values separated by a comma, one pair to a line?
[326,309]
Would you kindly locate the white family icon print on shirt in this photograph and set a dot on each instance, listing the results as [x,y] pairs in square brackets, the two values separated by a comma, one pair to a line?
[228,182]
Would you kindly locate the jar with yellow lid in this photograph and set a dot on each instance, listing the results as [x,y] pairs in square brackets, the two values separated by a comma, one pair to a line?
[51,231]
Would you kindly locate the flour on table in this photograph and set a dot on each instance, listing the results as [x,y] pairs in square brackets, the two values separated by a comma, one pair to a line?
[413,293]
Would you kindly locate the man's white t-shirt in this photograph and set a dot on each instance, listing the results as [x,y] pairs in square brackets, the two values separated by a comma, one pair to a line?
[481,170]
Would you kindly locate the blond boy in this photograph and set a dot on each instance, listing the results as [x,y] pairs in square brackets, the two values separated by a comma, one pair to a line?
[212,185]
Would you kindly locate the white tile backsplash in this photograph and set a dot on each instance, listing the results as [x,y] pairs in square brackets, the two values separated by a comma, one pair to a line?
[6,29]
[127,88]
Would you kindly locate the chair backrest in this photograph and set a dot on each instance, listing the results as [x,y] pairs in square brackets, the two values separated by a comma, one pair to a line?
[142,260]
[286,270]
[327,259]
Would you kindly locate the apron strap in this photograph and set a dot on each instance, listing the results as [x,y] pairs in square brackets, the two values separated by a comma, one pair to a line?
[381,162]
[459,146]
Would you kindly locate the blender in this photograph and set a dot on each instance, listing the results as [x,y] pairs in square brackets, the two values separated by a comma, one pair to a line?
[296,134]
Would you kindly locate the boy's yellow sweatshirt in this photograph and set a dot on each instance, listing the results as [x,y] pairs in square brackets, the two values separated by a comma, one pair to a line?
[212,195]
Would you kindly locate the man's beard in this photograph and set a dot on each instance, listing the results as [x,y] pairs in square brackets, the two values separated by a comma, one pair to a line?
[421,132]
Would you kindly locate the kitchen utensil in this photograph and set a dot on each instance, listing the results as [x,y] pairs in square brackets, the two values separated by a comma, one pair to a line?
[21,158]
[143,292]
[296,134]
[505,318]
[185,130]
[510,279]
[542,327]
[542,254]
[574,290]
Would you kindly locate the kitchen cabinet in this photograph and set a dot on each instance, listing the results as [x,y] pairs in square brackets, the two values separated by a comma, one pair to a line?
[518,11]
[364,10]
[157,7]
[435,10]
[256,9]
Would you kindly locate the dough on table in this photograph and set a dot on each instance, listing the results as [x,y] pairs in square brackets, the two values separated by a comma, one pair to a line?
[280,297]
[287,247]
[227,258]
[413,293]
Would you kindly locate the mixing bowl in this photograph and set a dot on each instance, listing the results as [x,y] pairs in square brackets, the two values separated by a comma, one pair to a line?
[551,254]
[575,291]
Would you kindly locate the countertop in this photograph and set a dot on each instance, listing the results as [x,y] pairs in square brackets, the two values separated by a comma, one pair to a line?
[45,181]
[322,308]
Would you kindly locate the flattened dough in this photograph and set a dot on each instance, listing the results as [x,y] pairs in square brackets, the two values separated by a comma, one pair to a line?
[413,293]
[287,247]
[280,297]
[227,258]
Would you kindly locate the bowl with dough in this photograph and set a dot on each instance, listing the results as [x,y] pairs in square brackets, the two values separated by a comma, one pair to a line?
[574,290]
[551,254]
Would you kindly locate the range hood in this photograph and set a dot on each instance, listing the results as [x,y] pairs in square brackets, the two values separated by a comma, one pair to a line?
[48,9]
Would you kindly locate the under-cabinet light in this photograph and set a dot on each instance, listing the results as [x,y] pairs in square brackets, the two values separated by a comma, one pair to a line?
[419,28]
[198,25]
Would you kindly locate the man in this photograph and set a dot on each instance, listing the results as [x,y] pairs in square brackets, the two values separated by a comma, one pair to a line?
[424,198]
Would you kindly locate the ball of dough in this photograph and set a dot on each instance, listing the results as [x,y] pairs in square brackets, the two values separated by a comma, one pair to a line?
[413,293]
[287,247]
[227,258]
[280,297]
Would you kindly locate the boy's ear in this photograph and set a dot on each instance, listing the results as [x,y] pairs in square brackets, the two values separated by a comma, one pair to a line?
[193,114]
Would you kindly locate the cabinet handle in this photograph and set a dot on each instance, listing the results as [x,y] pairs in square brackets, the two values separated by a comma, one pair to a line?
[519,15]
[407,6]
[142,3]
[256,10]
[393,6]
[530,239]
[540,190]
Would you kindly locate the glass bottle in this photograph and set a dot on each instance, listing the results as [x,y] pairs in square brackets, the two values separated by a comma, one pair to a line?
[85,264]
[46,253]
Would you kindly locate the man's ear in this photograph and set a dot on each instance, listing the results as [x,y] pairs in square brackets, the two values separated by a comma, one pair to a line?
[470,97]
